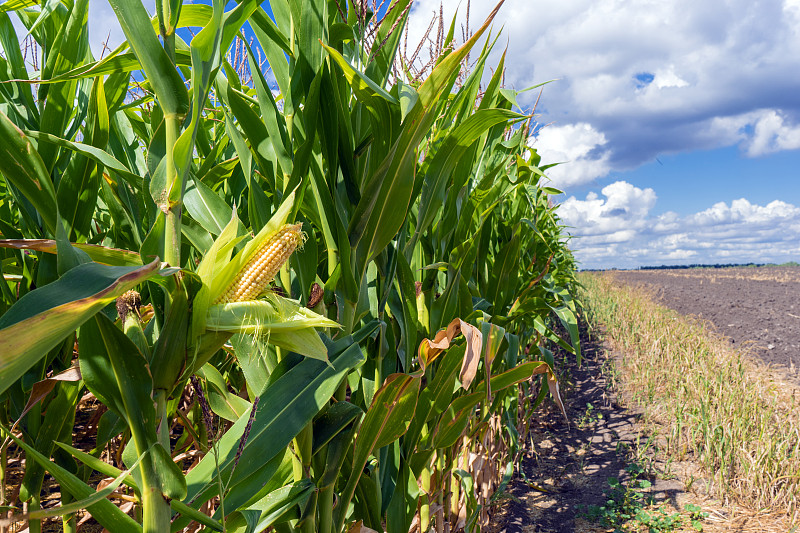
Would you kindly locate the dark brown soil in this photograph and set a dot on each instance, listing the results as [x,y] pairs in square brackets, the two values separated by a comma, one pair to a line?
[568,466]
[759,306]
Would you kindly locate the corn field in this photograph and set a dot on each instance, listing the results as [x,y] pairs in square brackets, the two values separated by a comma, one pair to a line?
[277,271]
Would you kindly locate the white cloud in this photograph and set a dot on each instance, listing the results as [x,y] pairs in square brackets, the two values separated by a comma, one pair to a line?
[623,210]
[617,230]
[652,77]
[578,145]
[667,78]
[772,134]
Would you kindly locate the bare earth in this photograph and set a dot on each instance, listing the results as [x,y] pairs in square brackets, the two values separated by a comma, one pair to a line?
[568,466]
[759,306]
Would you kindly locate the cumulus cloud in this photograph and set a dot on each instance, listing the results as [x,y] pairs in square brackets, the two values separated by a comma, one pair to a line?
[618,230]
[578,145]
[624,209]
[651,77]
[772,133]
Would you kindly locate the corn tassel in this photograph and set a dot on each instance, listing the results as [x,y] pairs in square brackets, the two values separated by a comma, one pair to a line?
[264,265]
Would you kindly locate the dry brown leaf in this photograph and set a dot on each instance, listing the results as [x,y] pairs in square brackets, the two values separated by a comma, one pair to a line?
[43,388]
[429,350]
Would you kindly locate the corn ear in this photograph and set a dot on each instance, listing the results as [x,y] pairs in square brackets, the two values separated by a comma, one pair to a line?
[280,320]
[264,316]
[261,269]
[128,306]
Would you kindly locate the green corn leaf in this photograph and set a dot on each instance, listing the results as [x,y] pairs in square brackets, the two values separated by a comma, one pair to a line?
[271,508]
[310,27]
[206,207]
[161,73]
[252,127]
[499,292]
[275,45]
[117,373]
[18,96]
[437,395]
[447,158]
[374,223]
[54,425]
[97,253]
[222,402]
[78,188]
[205,48]
[273,119]
[22,166]
[290,402]
[13,5]
[43,317]
[169,351]
[106,513]
[96,154]
[332,421]
[116,62]
[363,87]
[198,516]
[70,47]
[99,465]
[455,419]
[266,478]
[570,323]
[84,503]
[387,419]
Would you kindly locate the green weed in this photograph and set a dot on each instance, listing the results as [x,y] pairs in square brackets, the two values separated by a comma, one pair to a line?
[630,506]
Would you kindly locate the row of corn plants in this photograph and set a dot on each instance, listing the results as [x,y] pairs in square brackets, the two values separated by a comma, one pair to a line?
[322,307]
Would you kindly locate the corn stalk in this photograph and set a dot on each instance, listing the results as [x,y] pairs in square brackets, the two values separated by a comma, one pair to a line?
[417,267]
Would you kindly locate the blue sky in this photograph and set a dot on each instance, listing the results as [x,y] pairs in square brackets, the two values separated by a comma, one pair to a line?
[678,122]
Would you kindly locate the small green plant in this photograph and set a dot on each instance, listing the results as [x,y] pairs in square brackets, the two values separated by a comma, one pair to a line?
[630,507]
[590,416]
[696,515]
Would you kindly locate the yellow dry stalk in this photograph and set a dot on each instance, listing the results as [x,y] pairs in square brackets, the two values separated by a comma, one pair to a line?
[254,278]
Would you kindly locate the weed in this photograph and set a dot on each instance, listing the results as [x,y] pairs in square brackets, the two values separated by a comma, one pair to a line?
[590,416]
[629,506]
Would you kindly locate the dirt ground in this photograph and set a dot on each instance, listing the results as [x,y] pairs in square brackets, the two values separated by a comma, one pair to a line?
[568,466]
[759,306]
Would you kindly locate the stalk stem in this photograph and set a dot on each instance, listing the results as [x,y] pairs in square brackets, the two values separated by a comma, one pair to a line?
[160,399]
[34,526]
[156,509]
[69,523]
[171,206]
[326,509]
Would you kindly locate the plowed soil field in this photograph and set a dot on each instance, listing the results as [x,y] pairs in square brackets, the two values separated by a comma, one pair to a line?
[758,307]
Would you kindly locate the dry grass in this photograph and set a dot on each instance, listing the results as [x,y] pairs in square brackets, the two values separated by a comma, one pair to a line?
[713,404]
